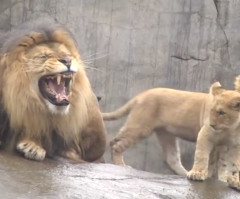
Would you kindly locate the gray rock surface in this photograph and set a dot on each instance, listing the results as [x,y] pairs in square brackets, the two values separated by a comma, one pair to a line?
[25,179]
[131,46]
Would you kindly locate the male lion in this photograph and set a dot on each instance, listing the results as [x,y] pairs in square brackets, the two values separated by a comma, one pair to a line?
[218,142]
[47,106]
[167,112]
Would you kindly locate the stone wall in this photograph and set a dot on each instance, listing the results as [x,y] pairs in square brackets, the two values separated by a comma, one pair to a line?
[131,46]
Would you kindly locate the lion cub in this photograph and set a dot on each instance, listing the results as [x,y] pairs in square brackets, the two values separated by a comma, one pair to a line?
[218,143]
[169,113]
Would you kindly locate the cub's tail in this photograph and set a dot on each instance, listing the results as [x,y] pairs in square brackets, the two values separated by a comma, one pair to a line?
[122,111]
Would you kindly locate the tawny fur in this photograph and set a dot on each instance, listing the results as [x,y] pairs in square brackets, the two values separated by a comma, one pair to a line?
[170,113]
[218,142]
[80,129]
[167,112]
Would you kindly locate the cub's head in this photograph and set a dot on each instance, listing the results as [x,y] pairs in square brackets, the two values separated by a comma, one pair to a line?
[224,108]
[44,63]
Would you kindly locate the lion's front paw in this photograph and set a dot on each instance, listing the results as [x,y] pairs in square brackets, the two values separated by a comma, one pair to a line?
[197,175]
[233,183]
[31,150]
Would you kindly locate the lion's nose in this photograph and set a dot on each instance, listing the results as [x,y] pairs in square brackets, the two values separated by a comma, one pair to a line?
[66,62]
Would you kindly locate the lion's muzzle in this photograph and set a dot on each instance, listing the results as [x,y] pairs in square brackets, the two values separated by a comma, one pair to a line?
[56,88]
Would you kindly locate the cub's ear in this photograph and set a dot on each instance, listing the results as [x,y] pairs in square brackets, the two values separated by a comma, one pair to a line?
[215,88]
[237,83]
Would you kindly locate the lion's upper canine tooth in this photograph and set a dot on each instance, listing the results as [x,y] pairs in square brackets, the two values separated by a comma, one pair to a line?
[58,79]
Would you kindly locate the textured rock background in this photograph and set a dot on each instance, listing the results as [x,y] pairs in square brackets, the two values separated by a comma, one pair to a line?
[131,46]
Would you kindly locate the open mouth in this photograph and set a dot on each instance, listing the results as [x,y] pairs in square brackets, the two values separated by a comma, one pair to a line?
[56,88]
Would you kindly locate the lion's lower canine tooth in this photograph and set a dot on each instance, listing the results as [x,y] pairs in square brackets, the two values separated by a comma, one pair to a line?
[58,79]
[58,98]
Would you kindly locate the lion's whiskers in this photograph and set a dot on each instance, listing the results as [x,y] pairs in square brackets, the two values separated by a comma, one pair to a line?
[89,61]
[93,68]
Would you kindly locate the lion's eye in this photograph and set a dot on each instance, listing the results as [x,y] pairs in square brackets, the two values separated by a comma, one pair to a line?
[43,56]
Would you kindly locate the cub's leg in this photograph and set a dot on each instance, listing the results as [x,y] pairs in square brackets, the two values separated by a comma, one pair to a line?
[232,158]
[138,126]
[31,150]
[233,180]
[125,139]
[213,163]
[202,155]
[127,136]
[171,152]
[224,164]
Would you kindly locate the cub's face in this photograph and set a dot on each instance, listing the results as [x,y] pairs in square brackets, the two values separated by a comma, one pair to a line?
[225,108]
[52,68]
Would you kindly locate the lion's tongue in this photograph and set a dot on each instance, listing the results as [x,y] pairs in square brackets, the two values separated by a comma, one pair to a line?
[59,90]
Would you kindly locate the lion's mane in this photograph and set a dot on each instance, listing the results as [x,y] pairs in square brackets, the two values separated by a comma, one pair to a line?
[24,115]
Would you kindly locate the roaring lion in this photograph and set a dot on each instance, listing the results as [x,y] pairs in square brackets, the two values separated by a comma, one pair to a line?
[167,112]
[218,142]
[47,106]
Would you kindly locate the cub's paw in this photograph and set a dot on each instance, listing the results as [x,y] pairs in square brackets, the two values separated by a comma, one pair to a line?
[197,175]
[31,150]
[233,183]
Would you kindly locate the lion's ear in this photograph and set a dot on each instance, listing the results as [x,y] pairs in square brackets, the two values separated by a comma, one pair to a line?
[237,83]
[215,88]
